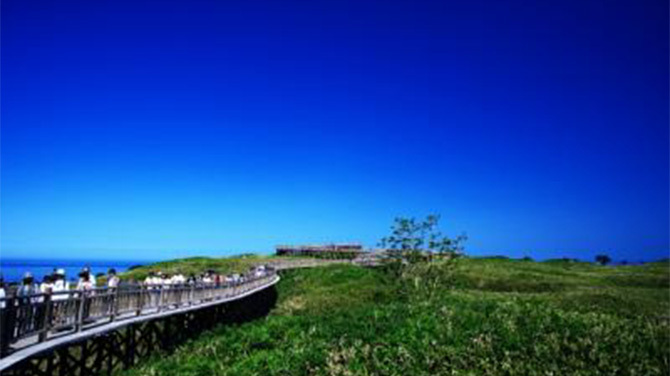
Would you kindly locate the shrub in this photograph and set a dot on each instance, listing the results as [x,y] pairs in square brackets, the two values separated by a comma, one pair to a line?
[603,259]
[416,241]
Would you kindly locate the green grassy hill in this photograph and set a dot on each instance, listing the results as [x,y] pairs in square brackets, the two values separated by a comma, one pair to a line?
[197,265]
[472,317]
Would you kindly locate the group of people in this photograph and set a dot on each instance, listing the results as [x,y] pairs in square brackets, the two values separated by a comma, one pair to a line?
[30,295]
[161,279]
[57,284]
[209,277]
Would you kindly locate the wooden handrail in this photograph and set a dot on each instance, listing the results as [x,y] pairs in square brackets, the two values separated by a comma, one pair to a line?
[41,314]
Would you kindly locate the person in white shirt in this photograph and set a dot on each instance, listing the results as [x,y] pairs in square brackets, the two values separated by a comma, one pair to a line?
[149,279]
[112,279]
[207,279]
[236,278]
[158,278]
[28,288]
[47,285]
[85,284]
[60,285]
[165,281]
[259,271]
[152,281]
[178,279]
[85,280]
[86,287]
[150,284]
[59,289]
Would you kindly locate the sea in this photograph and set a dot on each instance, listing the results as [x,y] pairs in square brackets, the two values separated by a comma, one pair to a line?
[13,269]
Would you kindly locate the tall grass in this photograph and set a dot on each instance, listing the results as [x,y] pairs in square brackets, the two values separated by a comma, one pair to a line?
[473,317]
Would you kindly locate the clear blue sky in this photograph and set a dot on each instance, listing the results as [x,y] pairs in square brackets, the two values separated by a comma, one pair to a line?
[155,129]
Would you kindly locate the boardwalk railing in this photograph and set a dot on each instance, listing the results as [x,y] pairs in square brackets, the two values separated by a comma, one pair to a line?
[25,321]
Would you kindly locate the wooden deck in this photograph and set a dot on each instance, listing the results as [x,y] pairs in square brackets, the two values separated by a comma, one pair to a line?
[30,346]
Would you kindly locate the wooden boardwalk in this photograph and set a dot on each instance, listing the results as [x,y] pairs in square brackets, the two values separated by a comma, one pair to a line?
[30,346]
[42,326]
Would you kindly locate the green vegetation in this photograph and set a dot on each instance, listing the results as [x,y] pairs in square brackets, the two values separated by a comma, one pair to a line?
[458,317]
[603,259]
[415,240]
[197,265]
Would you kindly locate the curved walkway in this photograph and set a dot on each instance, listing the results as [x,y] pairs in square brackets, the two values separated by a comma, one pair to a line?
[41,323]
[29,346]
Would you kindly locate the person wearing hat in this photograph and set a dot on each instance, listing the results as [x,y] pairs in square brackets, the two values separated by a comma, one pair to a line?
[112,279]
[59,291]
[60,285]
[28,286]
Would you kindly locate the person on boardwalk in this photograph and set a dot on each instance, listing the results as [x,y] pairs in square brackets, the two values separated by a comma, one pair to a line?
[178,279]
[59,293]
[86,272]
[151,280]
[85,281]
[166,280]
[60,285]
[152,283]
[112,279]
[27,310]
[207,278]
[28,286]
[86,286]
[47,285]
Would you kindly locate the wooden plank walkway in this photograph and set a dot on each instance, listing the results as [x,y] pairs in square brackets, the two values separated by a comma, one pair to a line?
[99,329]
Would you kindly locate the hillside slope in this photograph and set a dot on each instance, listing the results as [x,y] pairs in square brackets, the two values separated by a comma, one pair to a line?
[478,317]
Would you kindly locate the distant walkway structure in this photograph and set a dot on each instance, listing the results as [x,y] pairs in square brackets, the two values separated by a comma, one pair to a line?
[326,251]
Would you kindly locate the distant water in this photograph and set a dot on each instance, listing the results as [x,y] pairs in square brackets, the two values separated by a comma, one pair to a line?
[13,269]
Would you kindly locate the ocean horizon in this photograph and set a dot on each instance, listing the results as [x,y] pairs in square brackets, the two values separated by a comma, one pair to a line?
[13,269]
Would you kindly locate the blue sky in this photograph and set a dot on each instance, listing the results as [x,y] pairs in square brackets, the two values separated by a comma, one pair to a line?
[155,129]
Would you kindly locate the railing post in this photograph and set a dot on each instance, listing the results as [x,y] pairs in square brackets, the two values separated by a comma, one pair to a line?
[140,300]
[160,298]
[46,319]
[191,294]
[80,311]
[115,304]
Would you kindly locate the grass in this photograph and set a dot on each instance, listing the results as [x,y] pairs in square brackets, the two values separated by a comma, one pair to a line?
[197,265]
[474,317]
